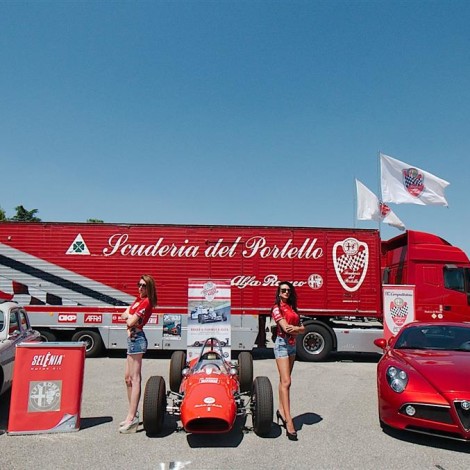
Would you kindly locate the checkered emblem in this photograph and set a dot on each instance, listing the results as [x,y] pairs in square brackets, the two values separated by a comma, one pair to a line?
[399,311]
[351,259]
[413,181]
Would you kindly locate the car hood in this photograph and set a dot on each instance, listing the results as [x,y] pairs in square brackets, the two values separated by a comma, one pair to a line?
[446,371]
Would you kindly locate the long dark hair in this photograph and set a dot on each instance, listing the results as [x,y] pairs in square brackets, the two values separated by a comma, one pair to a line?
[292,300]
[151,289]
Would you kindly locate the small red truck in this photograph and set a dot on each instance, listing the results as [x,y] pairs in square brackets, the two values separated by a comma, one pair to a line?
[75,278]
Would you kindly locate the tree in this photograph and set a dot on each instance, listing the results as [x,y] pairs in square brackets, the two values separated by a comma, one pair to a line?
[95,221]
[23,215]
[3,216]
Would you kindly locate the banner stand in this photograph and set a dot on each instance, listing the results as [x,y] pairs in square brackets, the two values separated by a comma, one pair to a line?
[47,388]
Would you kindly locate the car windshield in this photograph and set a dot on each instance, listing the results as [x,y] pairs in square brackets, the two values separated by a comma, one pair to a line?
[438,337]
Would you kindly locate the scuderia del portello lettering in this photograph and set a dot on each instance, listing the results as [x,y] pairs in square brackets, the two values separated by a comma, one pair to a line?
[257,246]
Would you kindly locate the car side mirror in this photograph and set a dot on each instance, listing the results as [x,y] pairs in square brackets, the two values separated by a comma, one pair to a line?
[380,343]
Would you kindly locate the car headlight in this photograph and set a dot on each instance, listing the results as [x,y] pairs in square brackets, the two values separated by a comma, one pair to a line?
[397,379]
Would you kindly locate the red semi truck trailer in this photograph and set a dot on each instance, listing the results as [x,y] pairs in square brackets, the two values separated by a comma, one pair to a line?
[76,278]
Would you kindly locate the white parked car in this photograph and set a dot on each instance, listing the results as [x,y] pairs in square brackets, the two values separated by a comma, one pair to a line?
[14,329]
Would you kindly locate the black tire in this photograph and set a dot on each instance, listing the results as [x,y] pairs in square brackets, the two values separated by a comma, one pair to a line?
[315,344]
[47,336]
[200,318]
[177,363]
[154,406]
[262,406]
[224,317]
[92,340]
[245,371]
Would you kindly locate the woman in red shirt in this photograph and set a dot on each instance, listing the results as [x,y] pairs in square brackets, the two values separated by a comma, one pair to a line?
[137,316]
[287,318]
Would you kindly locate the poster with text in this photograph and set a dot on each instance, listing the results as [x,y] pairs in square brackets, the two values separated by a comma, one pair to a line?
[209,304]
[399,308]
[172,327]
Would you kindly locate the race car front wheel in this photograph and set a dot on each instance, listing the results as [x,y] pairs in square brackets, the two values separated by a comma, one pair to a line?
[262,406]
[154,406]
[245,371]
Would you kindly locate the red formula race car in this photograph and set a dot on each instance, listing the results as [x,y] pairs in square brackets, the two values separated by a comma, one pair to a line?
[423,380]
[208,393]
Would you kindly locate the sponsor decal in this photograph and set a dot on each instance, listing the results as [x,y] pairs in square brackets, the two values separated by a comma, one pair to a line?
[413,181]
[116,318]
[351,259]
[67,318]
[45,361]
[44,396]
[209,400]
[209,380]
[78,247]
[93,318]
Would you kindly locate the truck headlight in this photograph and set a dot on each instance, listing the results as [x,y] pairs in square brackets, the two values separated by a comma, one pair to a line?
[397,379]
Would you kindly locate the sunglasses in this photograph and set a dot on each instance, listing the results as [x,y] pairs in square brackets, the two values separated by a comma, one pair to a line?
[141,285]
[285,291]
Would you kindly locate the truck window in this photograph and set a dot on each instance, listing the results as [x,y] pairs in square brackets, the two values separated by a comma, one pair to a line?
[2,321]
[454,279]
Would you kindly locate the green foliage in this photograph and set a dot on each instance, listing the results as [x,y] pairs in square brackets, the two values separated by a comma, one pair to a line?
[3,216]
[95,221]
[23,215]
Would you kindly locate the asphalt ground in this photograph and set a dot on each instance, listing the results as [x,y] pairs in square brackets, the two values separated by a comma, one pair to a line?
[335,409]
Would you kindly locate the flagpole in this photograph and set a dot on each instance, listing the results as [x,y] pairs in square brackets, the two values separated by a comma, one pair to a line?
[354,202]
[379,190]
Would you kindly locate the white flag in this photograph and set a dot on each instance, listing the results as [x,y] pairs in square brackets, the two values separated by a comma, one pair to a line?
[403,183]
[370,208]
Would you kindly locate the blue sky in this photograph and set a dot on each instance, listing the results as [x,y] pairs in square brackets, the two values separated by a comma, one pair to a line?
[232,112]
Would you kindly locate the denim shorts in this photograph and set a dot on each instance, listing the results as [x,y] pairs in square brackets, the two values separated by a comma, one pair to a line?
[137,343]
[283,349]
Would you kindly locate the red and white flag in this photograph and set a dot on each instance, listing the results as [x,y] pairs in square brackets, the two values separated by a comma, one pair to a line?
[403,183]
[370,208]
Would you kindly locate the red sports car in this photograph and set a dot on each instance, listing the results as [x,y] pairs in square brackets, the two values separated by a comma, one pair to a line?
[423,380]
[208,393]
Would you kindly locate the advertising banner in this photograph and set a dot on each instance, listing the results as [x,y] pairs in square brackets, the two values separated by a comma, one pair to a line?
[399,308]
[47,388]
[209,305]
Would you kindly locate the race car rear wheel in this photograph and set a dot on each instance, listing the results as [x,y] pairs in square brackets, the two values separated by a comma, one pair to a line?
[245,371]
[262,406]
[177,363]
[154,406]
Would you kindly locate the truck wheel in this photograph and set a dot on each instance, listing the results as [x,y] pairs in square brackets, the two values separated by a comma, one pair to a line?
[177,363]
[92,340]
[262,406]
[154,406]
[47,336]
[315,344]
[245,371]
